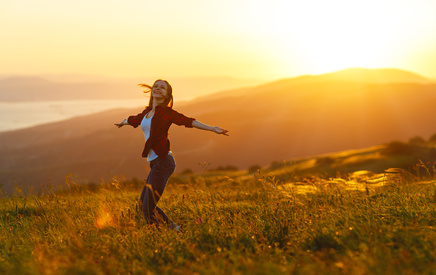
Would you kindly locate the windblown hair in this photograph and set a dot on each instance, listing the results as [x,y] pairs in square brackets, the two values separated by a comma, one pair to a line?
[168,102]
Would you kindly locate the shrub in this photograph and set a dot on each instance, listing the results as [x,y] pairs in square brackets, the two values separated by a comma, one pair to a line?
[277,164]
[227,168]
[254,168]
[187,171]
[398,148]
[432,138]
[325,161]
[417,140]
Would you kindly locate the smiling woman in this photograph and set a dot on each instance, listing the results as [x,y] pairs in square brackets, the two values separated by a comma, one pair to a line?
[155,121]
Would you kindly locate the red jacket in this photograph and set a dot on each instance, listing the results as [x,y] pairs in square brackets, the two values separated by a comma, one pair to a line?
[160,124]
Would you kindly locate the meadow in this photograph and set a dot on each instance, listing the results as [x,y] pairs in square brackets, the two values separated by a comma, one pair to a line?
[232,222]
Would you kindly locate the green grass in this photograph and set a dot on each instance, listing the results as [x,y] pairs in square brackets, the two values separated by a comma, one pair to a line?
[232,223]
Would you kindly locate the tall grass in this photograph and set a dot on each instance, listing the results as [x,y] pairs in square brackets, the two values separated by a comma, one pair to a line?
[231,224]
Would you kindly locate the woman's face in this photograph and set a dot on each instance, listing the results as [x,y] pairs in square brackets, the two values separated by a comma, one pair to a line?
[160,90]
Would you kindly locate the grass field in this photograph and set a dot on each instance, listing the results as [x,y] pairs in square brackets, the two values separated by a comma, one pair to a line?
[231,223]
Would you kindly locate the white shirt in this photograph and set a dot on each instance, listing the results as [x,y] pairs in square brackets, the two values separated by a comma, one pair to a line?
[146,126]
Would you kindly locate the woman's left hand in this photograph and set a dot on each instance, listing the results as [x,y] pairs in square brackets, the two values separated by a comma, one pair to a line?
[221,131]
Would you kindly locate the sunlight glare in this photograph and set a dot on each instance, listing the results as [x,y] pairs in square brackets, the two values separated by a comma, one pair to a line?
[333,35]
[103,219]
[349,36]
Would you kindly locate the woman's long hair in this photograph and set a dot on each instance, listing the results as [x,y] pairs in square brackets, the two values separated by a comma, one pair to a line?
[168,102]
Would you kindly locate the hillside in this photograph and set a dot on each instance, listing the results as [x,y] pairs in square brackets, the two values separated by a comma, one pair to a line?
[375,76]
[39,88]
[230,223]
[276,121]
[354,75]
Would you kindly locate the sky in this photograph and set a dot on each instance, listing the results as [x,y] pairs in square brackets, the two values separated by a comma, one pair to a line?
[248,39]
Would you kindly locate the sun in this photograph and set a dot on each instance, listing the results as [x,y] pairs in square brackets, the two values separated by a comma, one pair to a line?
[344,34]
[331,35]
[347,37]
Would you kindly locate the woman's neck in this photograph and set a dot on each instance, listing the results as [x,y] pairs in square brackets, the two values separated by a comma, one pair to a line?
[156,103]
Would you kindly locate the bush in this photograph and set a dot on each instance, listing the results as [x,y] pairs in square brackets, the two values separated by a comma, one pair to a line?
[277,164]
[417,140]
[325,161]
[227,168]
[432,138]
[187,171]
[398,148]
[254,168]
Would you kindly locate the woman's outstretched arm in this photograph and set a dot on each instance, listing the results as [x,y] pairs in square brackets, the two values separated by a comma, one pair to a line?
[202,126]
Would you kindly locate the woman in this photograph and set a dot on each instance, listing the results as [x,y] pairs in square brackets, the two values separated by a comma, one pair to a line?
[155,122]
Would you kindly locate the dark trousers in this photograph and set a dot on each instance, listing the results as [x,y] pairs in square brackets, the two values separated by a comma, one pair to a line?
[161,170]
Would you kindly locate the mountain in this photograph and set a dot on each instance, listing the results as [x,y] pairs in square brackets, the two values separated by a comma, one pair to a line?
[36,88]
[282,120]
[21,88]
[354,75]
[378,76]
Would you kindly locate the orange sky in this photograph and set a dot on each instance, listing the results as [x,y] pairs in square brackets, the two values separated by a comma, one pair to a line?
[268,39]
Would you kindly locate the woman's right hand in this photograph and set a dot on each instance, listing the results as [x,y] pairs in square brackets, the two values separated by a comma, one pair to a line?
[122,123]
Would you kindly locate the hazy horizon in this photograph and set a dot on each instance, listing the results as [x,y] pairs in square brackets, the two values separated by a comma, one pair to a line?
[186,88]
[87,78]
[48,110]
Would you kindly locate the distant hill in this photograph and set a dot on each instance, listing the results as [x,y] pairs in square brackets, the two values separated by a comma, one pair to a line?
[31,88]
[354,75]
[376,76]
[20,88]
[276,121]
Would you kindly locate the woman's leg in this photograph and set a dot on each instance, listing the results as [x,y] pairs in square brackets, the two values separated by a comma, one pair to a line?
[161,170]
